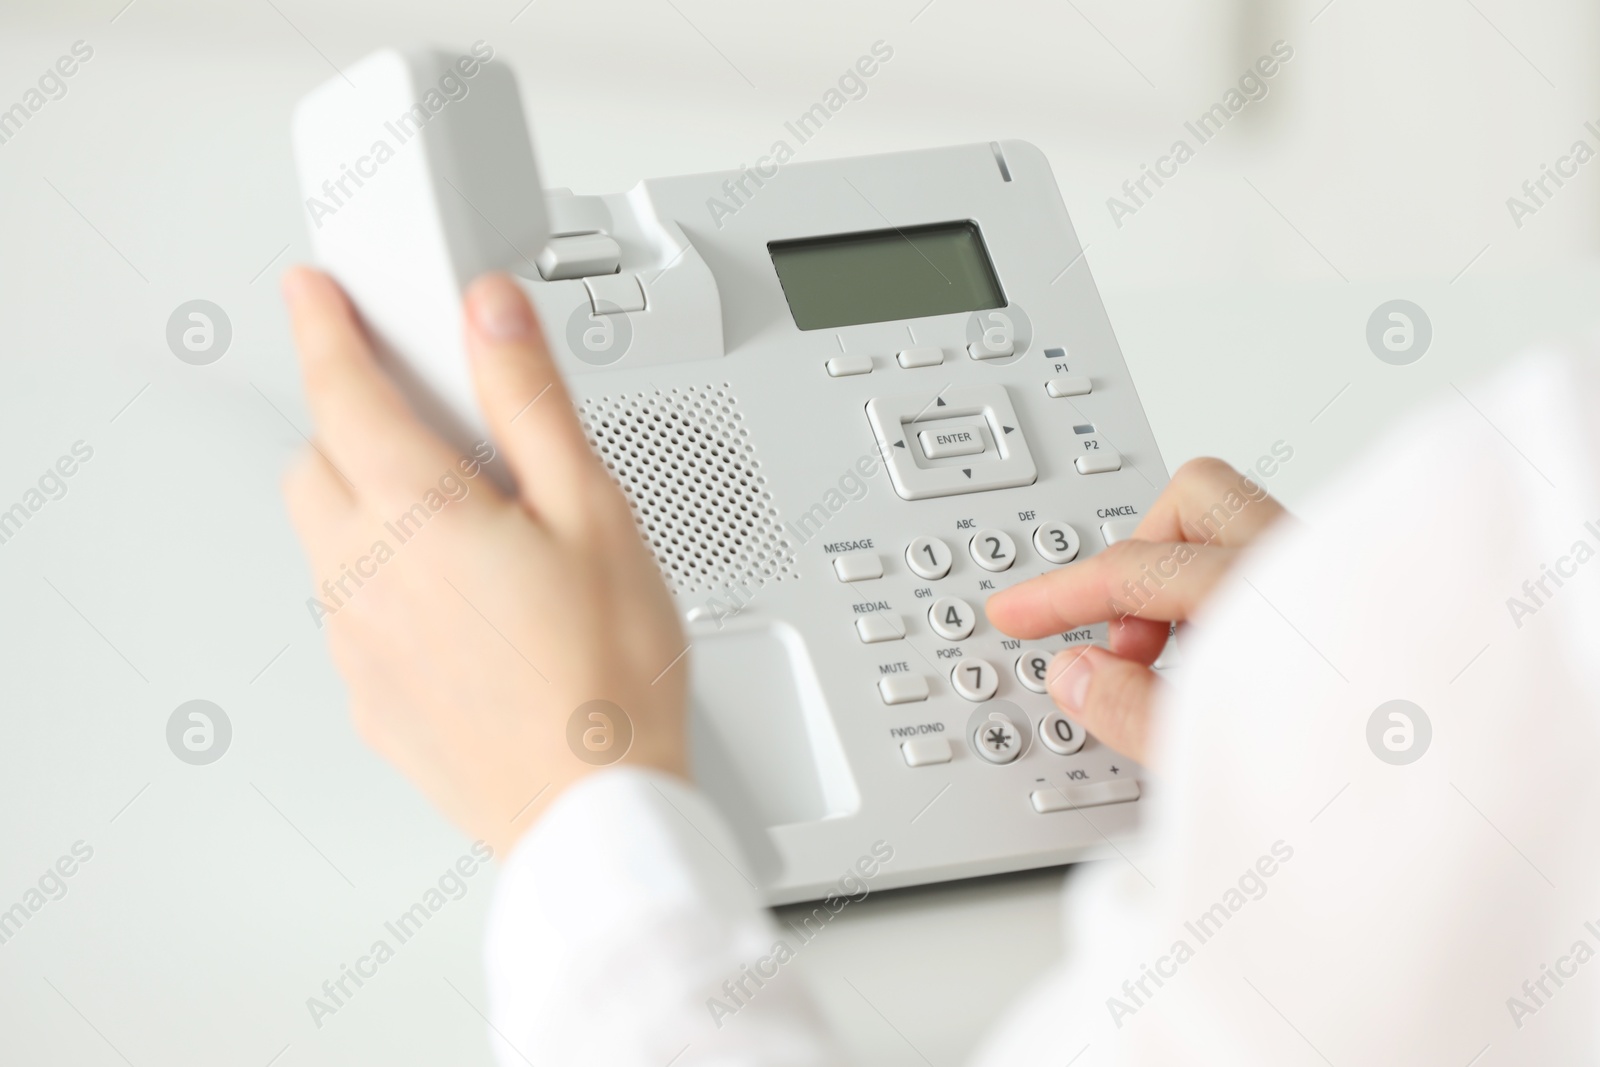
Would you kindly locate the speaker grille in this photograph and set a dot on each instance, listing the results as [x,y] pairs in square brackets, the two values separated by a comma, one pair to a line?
[685,460]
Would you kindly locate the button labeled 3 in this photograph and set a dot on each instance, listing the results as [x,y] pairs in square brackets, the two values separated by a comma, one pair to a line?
[1056,542]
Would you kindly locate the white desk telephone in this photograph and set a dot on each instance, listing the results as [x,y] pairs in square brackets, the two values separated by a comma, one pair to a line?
[839,430]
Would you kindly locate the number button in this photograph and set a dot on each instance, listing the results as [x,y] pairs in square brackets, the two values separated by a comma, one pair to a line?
[952,618]
[1056,542]
[929,558]
[975,679]
[993,550]
[1060,734]
[1033,670]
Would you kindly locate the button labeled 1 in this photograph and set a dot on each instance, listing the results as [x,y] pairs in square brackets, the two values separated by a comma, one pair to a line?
[975,679]
[952,618]
[929,558]
[993,550]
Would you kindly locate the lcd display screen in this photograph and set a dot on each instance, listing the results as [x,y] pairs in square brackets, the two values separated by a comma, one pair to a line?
[883,275]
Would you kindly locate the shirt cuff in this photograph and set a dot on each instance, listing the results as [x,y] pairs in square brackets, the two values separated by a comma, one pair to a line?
[616,922]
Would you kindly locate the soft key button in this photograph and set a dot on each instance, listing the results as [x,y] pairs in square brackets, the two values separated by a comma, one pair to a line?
[903,688]
[921,356]
[578,256]
[993,550]
[996,344]
[922,751]
[879,627]
[610,294]
[845,366]
[858,566]
[952,618]
[929,558]
[941,442]
[974,679]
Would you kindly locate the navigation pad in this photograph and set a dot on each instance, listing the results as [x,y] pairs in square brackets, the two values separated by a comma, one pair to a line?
[960,439]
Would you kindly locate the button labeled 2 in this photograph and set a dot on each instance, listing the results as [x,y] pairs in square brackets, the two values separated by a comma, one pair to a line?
[993,550]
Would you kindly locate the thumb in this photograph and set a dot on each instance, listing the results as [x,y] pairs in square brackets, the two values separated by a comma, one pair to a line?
[525,401]
[1109,695]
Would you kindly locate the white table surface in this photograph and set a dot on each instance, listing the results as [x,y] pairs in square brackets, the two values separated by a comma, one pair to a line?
[219,898]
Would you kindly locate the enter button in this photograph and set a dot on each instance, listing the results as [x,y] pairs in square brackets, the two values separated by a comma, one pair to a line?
[951,441]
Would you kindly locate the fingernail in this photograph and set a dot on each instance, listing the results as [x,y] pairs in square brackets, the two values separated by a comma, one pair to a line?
[498,309]
[1069,678]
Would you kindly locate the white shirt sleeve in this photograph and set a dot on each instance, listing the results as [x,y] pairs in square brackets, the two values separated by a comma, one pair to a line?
[1298,898]
[624,932]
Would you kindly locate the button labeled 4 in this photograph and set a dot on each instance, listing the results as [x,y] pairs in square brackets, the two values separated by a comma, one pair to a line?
[952,618]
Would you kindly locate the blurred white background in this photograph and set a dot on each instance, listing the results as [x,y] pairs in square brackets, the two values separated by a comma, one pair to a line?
[219,898]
